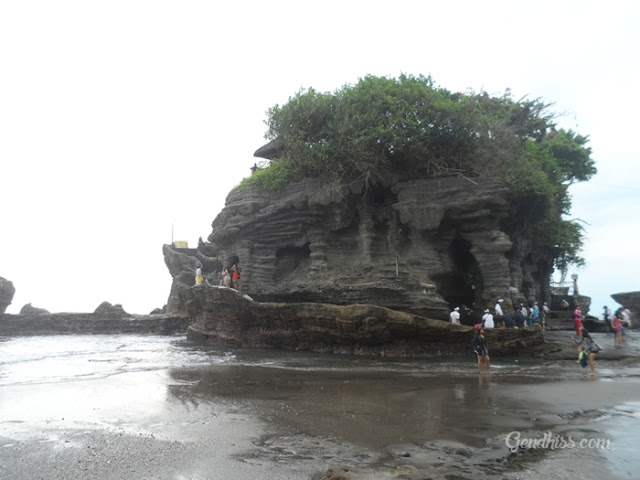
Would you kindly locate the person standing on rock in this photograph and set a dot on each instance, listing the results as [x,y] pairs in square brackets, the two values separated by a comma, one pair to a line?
[226,278]
[487,319]
[625,315]
[498,313]
[481,350]
[535,313]
[520,320]
[523,309]
[508,319]
[199,276]
[235,277]
[454,316]
[577,318]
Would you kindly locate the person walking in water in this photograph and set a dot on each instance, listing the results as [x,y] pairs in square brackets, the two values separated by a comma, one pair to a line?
[590,347]
[481,350]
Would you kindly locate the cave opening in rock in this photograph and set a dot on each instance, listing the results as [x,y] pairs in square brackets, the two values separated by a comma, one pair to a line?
[460,286]
[289,259]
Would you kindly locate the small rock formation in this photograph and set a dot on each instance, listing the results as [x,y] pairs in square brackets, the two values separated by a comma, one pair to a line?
[7,291]
[158,311]
[107,310]
[223,316]
[28,309]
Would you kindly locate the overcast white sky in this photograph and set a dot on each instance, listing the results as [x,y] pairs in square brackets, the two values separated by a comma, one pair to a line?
[121,120]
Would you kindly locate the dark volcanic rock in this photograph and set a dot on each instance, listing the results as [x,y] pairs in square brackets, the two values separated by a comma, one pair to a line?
[90,323]
[630,300]
[7,291]
[223,316]
[29,309]
[420,247]
[108,310]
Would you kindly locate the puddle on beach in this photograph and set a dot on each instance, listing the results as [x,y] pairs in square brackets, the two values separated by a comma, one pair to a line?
[169,387]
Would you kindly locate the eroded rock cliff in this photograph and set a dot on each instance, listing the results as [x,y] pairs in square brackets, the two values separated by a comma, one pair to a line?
[419,247]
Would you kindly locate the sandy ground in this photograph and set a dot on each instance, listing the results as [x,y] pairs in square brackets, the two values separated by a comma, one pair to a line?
[316,418]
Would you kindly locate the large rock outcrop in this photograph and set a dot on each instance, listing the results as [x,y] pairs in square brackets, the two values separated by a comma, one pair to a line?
[7,291]
[222,316]
[419,247]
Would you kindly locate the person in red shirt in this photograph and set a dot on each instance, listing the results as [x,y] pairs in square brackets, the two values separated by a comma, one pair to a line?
[577,317]
[235,277]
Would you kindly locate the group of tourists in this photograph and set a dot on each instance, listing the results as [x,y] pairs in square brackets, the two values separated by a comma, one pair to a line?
[230,277]
[500,318]
[617,323]
[503,318]
[588,349]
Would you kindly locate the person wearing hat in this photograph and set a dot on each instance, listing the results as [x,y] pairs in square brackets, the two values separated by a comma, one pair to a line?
[487,319]
[498,314]
[454,316]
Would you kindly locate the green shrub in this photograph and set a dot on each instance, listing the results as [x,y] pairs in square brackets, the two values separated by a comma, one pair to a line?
[383,130]
[274,178]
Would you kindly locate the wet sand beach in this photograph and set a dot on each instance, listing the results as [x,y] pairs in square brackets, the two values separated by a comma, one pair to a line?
[152,407]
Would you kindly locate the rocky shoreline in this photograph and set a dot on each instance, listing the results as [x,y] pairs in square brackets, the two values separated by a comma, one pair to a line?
[91,323]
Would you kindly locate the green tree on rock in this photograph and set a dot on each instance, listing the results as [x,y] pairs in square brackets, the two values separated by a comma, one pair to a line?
[384,130]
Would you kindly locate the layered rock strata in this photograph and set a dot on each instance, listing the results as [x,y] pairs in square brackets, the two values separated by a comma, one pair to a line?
[419,247]
[222,316]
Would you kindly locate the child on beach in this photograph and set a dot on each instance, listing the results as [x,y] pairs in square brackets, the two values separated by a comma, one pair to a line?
[582,359]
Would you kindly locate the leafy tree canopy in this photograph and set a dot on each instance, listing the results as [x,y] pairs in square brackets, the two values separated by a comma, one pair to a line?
[386,129]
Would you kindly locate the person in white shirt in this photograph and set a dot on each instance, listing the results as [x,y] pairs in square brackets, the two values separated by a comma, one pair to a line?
[487,319]
[498,313]
[625,314]
[523,309]
[454,316]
